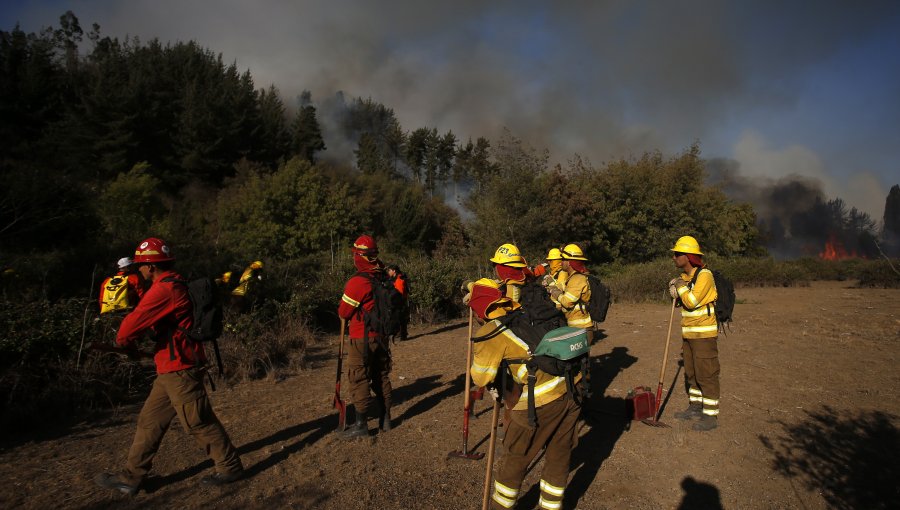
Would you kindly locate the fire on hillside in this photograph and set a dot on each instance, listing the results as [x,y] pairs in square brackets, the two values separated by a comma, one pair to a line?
[834,250]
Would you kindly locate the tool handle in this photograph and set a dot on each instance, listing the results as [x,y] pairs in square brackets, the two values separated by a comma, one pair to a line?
[488,471]
[662,368]
[340,362]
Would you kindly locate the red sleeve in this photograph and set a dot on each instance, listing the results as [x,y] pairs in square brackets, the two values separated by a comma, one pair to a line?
[135,283]
[156,304]
[400,285]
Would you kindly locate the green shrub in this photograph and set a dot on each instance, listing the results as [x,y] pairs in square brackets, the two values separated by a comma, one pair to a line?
[879,274]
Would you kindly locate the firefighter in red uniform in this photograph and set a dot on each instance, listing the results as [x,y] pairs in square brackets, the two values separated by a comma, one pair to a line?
[369,355]
[165,312]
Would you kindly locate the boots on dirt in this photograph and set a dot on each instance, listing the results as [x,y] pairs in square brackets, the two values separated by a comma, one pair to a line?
[359,429]
[693,412]
[114,482]
[706,423]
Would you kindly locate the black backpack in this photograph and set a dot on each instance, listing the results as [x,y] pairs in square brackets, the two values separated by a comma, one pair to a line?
[386,316]
[208,317]
[725,297]
[600,300]
[538,309]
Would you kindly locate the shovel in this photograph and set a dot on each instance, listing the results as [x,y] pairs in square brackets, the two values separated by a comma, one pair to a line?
[465,453]
[662,373]
[339,404]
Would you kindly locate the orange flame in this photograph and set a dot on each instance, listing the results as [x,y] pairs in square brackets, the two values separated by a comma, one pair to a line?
[834,250]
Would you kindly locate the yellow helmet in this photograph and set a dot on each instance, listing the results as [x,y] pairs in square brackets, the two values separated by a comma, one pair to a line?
[572,252]
[508,255]
[256,265]
[687,244]
[554,254]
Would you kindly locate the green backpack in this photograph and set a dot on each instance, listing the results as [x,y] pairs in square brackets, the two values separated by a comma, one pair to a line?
[561,352]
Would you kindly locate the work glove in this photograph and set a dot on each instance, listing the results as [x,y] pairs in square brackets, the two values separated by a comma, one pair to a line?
[494,393]
[555,292]
[674,285]
[548,281]
[467,298]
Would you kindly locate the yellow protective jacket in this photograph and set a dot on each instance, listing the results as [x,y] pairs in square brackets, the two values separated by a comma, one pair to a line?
[486,363]
[574,299]
[247,278]
[698,310]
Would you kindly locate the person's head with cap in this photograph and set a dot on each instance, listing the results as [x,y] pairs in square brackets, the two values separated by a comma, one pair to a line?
[554,260]
[124,263]
[509,263]
[687,251]
[573,258]
[365,254]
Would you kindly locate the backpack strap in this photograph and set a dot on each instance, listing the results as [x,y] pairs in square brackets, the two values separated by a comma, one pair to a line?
[173,349]
[531,382]
[694,282]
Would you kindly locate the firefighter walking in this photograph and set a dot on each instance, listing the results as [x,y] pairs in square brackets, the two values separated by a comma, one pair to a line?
[165,311]
[699,331]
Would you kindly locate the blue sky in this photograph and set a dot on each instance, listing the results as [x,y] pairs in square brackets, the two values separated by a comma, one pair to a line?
[782,87]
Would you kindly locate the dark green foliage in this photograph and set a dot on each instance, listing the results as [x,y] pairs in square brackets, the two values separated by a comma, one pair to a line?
[306,136]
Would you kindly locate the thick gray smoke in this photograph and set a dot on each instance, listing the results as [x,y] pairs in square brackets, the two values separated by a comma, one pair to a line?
[603,79]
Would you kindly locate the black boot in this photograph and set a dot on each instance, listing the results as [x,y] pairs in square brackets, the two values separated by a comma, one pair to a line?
[693,412]
[358,429]
[115,482]
[386,424]
[706,423]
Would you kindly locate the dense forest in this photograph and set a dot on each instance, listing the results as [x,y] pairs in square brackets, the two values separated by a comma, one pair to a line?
[108,141]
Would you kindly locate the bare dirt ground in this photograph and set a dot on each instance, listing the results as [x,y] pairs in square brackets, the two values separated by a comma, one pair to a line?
[810,419]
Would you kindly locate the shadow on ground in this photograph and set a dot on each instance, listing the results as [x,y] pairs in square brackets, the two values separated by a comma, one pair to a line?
[605,421]
[850,458]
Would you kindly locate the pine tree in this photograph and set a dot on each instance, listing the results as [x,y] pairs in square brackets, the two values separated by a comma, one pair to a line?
[306,137]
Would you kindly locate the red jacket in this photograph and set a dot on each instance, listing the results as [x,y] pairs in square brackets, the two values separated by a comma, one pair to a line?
[400,285]
[164,311]
[357,292]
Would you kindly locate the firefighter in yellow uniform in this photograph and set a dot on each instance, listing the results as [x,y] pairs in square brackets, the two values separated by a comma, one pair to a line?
[557,412]
[510,267]
[243,294]
[699,332]
[575,292]
[551,272]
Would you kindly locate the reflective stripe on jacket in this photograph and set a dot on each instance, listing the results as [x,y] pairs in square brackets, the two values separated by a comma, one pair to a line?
[698,312]
[574,299]
[486,364]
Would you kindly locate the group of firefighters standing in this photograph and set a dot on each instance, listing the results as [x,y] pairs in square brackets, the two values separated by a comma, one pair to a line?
[165,311]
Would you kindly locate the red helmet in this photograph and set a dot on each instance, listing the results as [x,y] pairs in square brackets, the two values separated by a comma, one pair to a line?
[365,245]
[152,250]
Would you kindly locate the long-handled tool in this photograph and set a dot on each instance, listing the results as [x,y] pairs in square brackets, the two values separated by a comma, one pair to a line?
[662,373]
[339,404]
[465,453]
[488,471]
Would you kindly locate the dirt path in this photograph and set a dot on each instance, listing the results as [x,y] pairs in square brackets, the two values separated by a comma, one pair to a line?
[810,420]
